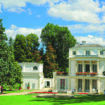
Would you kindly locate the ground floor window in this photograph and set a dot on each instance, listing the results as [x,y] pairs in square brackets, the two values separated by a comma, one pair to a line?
[94,84]
[87,85]
[79,85]
[62,83]
[33,85]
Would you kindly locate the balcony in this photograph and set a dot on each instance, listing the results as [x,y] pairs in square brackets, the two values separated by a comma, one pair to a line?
[86,73]
[62,73]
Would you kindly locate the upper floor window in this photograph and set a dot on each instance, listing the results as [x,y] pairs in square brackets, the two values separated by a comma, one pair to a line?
[79,67]
[35,68]
[87,52]
[87,68]
[94,67]
[101,52]
[74,52]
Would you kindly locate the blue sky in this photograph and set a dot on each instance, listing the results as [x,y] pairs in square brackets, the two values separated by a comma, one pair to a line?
[84,18]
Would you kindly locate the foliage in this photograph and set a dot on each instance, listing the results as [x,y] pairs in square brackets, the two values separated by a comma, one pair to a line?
[61,40]
[8,68]
[50,64]
[20,48]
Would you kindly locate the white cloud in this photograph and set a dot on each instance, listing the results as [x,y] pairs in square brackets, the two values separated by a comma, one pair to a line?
[90,39]
[17,5]
[83,28]
[14,30]
[77,10]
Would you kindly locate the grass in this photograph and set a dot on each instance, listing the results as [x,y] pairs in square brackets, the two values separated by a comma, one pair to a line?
[30,100]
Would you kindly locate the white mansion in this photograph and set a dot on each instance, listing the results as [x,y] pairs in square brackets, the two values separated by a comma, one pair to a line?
[86,71]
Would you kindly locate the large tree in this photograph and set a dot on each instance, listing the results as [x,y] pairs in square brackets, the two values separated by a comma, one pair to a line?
[7,62]
[50,64]
[61,40]
[32,44]
[20,48]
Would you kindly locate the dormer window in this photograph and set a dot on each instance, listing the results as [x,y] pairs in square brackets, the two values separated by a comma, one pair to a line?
[35,68]
[87,52]
[74,52]
[101,52]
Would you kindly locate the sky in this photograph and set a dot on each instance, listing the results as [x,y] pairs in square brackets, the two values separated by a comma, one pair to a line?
[84,18]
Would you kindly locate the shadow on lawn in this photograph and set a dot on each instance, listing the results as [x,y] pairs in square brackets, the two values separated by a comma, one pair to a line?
[71,100]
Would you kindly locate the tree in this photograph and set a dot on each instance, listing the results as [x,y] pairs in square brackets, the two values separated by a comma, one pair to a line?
[61,40]
[20,48]
[8,74]
[15,74]
[50,64]
[4,70]
[32,44]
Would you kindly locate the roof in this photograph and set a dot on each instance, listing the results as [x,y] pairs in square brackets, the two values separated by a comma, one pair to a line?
[88,45]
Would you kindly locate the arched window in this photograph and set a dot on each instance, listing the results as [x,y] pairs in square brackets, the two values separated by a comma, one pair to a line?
[35,68]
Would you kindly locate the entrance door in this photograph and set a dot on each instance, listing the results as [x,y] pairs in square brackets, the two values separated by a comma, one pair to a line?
[79,85]
[33,85]
[87,85]
[62,84]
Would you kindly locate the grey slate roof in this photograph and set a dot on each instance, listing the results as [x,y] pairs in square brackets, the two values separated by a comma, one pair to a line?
[88,45]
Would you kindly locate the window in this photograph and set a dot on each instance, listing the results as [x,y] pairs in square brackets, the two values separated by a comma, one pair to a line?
[87,85]
[101,52]
[79,85]
[74,52]
[35,68]
[33,85]
[87,68]
[79,67]
[62,83]
[87,52]
[94,84]
[94,67]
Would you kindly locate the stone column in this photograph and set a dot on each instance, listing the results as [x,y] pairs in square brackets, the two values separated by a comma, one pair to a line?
[98,86]
[83,85]
[76,85]
[98,67]
[90,85]
[91,66]
[83,64]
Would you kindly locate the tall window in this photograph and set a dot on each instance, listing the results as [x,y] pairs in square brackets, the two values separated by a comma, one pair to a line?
[62,83]
[87,52]
[94,84]
[87,68]
[94,67]
[79,67]
[74,52]
[101,52]
[80,85]
[87,85]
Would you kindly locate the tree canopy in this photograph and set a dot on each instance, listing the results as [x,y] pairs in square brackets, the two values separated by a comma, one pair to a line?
[61,40]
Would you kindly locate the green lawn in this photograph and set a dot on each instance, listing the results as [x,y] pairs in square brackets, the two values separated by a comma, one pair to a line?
[30,100]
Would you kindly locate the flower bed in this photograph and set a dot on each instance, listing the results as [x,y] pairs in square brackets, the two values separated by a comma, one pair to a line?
[82,93]
[86,73]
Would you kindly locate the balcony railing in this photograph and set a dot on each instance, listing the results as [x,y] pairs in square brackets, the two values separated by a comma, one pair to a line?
[61,73]
[87,73]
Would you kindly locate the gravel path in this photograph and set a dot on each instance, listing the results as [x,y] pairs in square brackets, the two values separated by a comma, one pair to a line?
[24,93]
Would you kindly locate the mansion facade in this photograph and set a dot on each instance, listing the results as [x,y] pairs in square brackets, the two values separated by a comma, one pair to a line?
[86,70]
